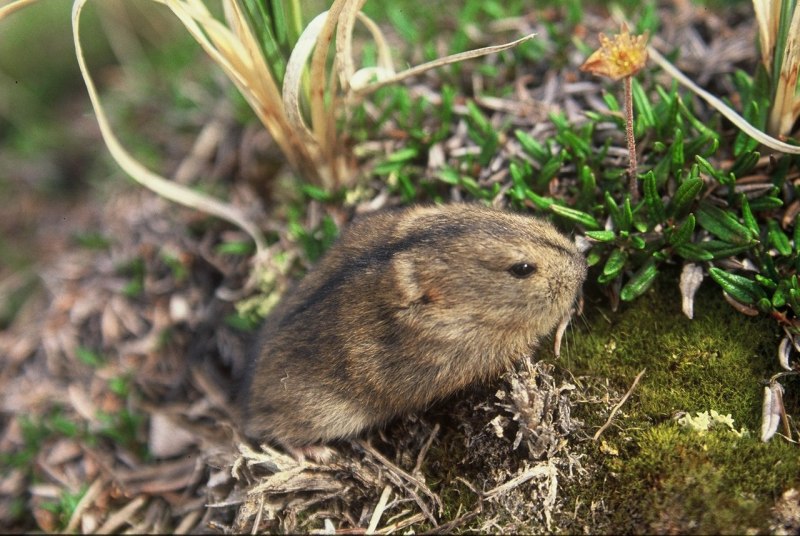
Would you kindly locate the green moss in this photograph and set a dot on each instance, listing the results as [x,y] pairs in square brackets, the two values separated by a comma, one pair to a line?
[716,361]
[654,474]
[706,483]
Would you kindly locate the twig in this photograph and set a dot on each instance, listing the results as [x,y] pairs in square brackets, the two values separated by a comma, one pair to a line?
[531,473]
[424,450]
[619,405]
[257,522]
[119,518]
[449,527]
[403,523]
[400,475]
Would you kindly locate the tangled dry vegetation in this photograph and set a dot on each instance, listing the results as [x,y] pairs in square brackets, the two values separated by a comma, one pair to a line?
[117,377]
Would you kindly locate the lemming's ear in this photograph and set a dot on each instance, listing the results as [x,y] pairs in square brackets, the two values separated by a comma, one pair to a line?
[404,270]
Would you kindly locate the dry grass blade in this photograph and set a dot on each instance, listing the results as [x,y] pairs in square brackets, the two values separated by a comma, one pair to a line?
[768,14]
[721,107]
[385,65]
[238,53]
[397,476]
[13,7]
[440,62]
[292,79]
[321,134]
[786,105]
[344,41]
[323,114]
[379,508]
[158,184]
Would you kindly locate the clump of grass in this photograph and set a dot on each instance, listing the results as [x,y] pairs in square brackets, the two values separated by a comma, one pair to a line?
[779,40]
[308,138]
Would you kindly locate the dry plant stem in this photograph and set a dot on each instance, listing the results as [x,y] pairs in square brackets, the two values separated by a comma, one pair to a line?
[720,106]
[401,475]
[633,185]
[424,451]
[86,501]
[14,6]
[257,522]
[619,405]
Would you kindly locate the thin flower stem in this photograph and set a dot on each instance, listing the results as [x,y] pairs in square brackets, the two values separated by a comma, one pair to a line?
[633,185]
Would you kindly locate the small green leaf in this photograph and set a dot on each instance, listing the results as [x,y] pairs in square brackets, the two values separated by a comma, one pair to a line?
[626,214]
[637,242]
[779,298]
[797,232]
[578,146]
[552,166]
[778,238]
[683,234]
[519,173]
[593,257]
[241,322]
[720,249]
[601,236]
[685,196]
[739,287]
[88,357]
[578,216]
[764,305]
[611,101]
[642,105]
[615,263]
[723,224]
[234,248]
[613,209]
[448,175]
[92,240]
[692,252]
[747,216]
[696,123]
[794,299]
[542,203]
[478,119]
[655,206]
[640,281]
[532,147]
[706,166]
[766,202]
[317,193]
[677,152]
[588,183]
[766,282]
[745,163]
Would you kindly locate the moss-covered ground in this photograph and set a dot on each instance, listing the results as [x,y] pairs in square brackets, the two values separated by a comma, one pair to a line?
[649,473]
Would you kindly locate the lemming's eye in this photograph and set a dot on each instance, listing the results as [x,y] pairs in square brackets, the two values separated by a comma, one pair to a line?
[522,269]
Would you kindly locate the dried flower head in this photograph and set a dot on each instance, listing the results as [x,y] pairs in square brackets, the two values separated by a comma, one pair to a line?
[618,57]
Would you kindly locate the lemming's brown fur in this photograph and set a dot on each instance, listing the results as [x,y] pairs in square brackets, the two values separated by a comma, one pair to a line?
[408,307]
